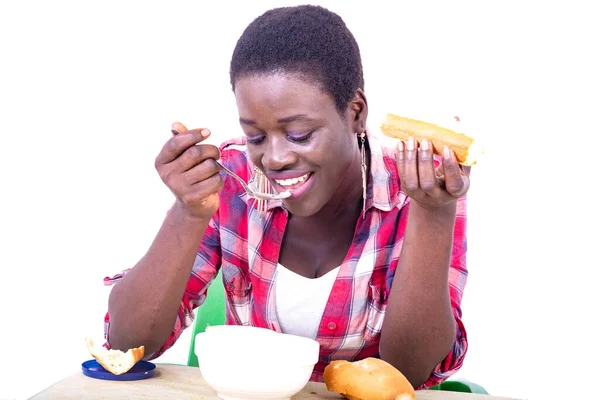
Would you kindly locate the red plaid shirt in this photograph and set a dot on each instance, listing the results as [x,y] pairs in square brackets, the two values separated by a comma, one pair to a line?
[246,248]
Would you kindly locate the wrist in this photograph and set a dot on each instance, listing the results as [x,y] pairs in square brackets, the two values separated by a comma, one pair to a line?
[183,217]
[439,214]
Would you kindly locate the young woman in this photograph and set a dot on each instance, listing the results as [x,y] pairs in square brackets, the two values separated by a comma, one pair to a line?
[367,255]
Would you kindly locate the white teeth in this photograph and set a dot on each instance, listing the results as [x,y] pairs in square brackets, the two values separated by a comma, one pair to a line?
[291,181]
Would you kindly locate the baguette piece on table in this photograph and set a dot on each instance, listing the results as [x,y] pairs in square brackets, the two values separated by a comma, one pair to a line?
[368,379]
[115,361]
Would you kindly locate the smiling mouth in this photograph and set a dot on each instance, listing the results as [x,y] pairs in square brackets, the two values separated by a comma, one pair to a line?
[293,183]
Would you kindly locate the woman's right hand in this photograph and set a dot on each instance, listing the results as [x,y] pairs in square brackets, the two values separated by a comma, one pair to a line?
[191,172]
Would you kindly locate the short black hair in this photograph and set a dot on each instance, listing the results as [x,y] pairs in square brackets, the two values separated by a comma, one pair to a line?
[306,39]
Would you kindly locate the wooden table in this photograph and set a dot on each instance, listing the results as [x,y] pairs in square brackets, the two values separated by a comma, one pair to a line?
[179,382]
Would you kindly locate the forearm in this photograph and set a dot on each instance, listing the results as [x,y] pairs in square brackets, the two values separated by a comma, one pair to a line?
[143,306]
[419,327]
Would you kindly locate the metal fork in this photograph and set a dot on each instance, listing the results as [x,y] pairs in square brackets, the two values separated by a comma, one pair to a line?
[251,189]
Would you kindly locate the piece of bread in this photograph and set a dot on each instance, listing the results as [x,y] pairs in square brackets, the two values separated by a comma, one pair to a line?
[468,150]
[115,361]
[368,379]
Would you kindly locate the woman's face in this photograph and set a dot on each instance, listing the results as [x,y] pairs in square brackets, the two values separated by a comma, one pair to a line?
[299,139]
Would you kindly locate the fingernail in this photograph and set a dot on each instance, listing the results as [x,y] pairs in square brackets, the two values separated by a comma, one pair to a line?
[400,146]
[410,144]
[424,144]
[174,132]
[205,133]
[446,152]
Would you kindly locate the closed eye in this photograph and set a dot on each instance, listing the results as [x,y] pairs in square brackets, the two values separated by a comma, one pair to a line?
[291,136]
[254,140]
[299,139]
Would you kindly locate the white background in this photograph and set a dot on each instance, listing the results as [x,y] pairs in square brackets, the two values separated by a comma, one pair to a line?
[88,91]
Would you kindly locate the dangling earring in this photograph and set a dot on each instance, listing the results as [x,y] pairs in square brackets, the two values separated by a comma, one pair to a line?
[363,167]
[262,184]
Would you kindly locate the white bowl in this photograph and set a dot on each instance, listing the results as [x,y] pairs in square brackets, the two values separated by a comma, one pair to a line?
[243,362]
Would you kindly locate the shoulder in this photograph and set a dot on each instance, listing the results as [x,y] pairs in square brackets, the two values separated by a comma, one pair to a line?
[235,144]
[235,157]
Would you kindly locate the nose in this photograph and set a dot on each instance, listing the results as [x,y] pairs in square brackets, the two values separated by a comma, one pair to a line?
[278,154]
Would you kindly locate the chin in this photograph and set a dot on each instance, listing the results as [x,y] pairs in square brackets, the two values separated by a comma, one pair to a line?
[302,209]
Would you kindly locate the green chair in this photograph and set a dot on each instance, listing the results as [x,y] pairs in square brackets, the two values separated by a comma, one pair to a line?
[212,312]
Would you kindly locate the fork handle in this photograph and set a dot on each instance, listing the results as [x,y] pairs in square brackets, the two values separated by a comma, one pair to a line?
[232,174]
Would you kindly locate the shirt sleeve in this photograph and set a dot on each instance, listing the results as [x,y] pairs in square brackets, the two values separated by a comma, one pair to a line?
[457,280]
[206,267]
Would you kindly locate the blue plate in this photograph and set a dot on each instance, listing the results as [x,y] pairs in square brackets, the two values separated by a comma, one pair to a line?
[141,370]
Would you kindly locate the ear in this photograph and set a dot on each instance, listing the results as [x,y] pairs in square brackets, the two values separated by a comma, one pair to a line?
[358,111]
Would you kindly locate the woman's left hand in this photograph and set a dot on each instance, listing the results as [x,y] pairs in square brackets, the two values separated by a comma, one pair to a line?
[433,188]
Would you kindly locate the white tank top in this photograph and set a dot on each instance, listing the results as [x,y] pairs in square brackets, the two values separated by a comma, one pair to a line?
[300,302]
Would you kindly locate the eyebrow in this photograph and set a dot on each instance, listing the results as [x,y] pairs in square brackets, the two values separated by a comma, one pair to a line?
[280,121]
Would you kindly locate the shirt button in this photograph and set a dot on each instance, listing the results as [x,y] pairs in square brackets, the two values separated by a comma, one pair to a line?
[331,326]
